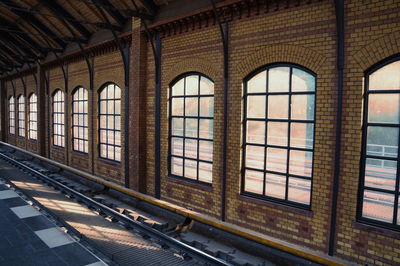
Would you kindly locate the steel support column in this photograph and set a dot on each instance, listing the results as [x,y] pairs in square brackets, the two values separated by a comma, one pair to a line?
[157,128]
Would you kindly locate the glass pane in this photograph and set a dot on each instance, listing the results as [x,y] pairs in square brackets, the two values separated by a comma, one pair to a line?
[278,79]
[382,141]
[255,132]
[378,206]
[256,106]
[206,128]
[254,181]
[117,122]
[205,172]
[258,83]
[176,166]
[275,185]
[103,136]
[177,106]
[103,107]
[110,137]
[302,135]
[255,157]
[303,107]
[206,150]
[103,93]
[191,148]
[117,92]
[278,106]
[177,126]
[110,107]
[276,160]
[300,163]
[277,133]
[177,89]
[118,154]
[191,127]
[206,86]
[302,81]
[384,108]
[191,169]
[118,138]
[207,106]
[299,190]
[192,85]
[386,78]
[103,150]
[380,173]
[103,122]
[191,107]
[177,146]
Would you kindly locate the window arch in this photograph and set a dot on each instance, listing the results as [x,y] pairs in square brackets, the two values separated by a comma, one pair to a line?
[58,118]
[278,134]
[110,122]
[379,176]
[80,138]
[11,110]
[191,125]
[21,116]
[32,115]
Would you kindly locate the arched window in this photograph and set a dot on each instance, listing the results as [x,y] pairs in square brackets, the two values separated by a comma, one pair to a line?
[32,123]
[11,109]
[110,122]
[278,134]
[21,116]
[379,183]
[191,125]
[80,120]
[58,119]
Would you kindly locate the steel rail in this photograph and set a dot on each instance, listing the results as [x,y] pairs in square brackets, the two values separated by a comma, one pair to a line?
[153,233]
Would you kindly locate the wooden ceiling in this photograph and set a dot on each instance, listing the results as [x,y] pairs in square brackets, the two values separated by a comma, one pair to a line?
[30,29]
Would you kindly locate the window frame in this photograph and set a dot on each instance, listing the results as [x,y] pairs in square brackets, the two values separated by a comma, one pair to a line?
[21,96]
[85,116]
[288,148]
[198,117]
[53,123]
[114,115]
[30,130]
[363,156]
[14,112]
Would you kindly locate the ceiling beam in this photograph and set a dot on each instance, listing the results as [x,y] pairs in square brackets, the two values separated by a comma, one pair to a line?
[110,9]
[150,6]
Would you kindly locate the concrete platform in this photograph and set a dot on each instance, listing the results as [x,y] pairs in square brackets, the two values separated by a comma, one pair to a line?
[27,237]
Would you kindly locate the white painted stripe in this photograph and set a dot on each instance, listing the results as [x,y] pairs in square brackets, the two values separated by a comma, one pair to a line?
[7,194]
[99,263]
[54,237]
[25,211]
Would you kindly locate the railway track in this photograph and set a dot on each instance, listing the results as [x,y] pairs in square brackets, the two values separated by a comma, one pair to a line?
[189,253]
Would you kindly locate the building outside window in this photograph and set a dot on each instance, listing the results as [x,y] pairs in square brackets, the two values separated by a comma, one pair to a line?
[278,134]
[58,119]
[191,125]
[11,109]
[379,182]
[21,116]
[110,122]
[32,122]
[80,138]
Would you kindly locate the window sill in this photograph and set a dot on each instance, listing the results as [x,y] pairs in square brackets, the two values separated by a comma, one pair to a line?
[109,162]
[32,140]
[57,147]
[275,205]
[375,229]
[190,183]
[79,153]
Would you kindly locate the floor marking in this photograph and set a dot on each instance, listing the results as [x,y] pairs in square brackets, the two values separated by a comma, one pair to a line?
[7,194]
[25,211]
[54,237]
[99,263]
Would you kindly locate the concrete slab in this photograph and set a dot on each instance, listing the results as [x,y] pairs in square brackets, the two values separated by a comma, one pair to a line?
[53,237]
[25,211]
[7,194]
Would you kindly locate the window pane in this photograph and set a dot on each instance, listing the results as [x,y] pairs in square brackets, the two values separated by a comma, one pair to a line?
[380,173]
[177,126]
[302,135]
[383,108]
[206,150]
[177,89]
[191,127]
[300,163]
[254,181]
[191,106]
[258,83]
[303,107]
[191,148]
[302,81]
[276,160]
[191,169]
[299,190]
[205,172]
[192,85]
[177,146]
[206,86]
[117,107]
[255,132]
[103,122]
[255,156]
[275,185]
[117,154]
[386,78]
[382,141]
[278,79]
[176,166]
[103,150]
[207,106]
[256,106]
[206,128]
[177,106]
[277,133]
[278,106]
[118,138]
[378,206]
